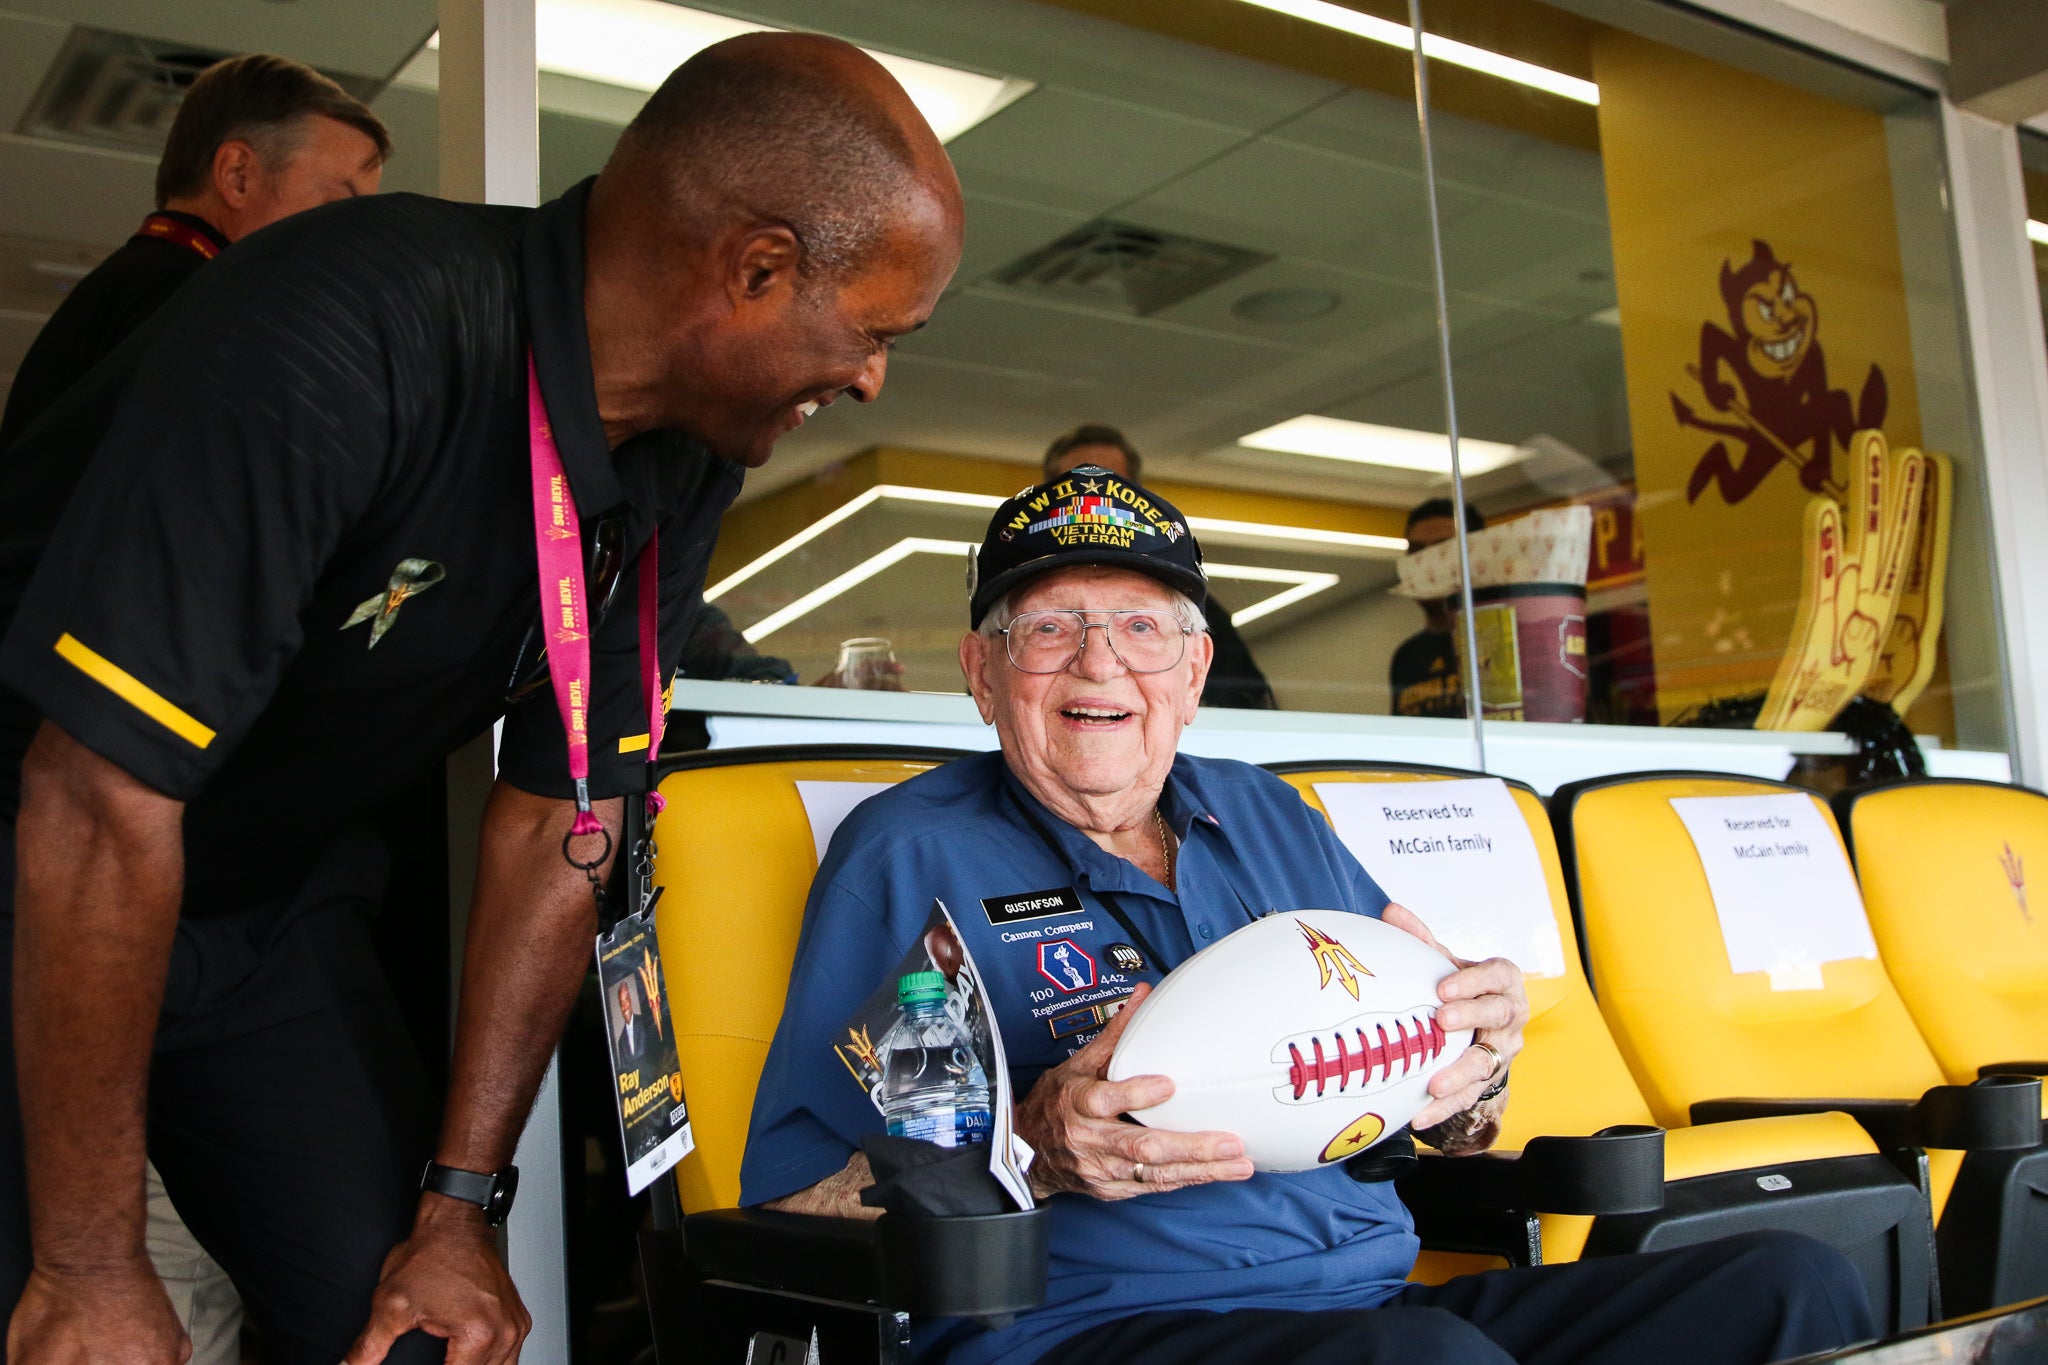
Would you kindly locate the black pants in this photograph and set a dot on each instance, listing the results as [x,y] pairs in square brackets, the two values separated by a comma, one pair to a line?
[288,1115]
[1741,1301]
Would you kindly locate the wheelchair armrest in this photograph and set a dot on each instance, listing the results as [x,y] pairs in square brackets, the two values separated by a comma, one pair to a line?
[807,1253]
[980,1267]
[1617,1170]
[1996,1113]
[2014,1069]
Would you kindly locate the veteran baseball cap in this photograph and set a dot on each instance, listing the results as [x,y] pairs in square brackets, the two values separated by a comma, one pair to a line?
[1084,516]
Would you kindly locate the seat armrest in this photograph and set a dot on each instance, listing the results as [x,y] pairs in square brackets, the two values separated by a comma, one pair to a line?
[977,1267]
[2014,1069]
[980,1266]
[832,1258]
[1997,1113]
[1617,1170]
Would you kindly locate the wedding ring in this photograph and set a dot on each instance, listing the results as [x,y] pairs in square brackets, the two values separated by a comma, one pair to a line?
[1498,1062]
[1138,1172]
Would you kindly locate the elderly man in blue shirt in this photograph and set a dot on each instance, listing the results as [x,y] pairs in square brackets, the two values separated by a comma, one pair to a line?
[1081,863]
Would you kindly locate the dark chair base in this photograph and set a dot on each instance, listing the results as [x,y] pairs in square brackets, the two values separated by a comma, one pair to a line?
[1993,1238]
[698,1320]
[1860,1205]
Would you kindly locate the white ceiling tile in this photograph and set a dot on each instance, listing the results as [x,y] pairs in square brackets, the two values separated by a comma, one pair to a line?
[1297,201]
[27,46]
[65,193]
[1067,150]
[363,37]
[411,116]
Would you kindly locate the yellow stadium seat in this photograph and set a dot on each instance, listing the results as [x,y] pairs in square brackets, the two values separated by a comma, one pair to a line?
[735,863]
[1705,1042]
[1571,1080]
[735,856]
[1944,868]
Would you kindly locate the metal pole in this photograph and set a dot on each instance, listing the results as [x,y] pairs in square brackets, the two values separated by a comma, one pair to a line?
[1443,341]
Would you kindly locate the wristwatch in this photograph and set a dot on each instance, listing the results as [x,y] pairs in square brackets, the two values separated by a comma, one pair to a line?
[492,1192]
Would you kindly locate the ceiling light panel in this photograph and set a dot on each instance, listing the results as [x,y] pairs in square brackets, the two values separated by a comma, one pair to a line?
[1334,438]
[1436,47]
[896,492]
[637,43]
[2037,231]
[1302,583]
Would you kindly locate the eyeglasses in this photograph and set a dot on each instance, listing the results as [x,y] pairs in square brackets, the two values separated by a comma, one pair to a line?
[1144,639]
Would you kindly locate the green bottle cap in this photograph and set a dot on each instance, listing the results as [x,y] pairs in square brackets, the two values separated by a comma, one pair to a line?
[917,988]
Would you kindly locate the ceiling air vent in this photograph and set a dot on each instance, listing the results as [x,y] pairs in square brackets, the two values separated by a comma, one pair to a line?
[1131,269]
[120,92]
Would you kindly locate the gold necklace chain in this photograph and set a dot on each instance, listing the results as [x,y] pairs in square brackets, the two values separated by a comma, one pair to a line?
[1165,845]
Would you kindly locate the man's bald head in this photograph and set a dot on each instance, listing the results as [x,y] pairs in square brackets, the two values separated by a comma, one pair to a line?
[773,222]
[789,128]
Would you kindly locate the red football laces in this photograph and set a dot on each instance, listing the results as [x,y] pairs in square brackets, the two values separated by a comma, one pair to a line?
[1425,1044]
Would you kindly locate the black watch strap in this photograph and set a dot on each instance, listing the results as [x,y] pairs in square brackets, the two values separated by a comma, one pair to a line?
[490,1191]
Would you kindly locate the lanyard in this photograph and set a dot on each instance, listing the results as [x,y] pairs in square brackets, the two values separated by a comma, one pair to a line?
[565,621]
[163,227]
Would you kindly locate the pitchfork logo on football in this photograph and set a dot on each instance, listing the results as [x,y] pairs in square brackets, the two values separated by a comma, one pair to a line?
[1333,959]
[1064,964]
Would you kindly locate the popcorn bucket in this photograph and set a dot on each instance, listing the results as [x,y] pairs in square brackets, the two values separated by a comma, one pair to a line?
[1529,610]
[1532,650]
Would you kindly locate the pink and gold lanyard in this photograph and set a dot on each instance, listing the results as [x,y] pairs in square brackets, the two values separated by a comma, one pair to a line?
[566,624]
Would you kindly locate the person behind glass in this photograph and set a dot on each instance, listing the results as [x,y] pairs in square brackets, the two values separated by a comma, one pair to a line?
[257,138]
[1085,650]
[1423,679]
[1234,678]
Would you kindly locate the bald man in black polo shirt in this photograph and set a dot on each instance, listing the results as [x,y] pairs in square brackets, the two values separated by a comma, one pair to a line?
[300,570]
[257,138]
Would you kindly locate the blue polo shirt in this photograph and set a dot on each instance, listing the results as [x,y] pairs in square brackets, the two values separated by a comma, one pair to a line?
[1026,891]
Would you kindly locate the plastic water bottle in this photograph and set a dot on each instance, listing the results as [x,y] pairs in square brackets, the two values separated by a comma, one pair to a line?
[933,1086]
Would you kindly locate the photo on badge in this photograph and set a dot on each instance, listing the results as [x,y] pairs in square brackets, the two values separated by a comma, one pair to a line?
[654,1121]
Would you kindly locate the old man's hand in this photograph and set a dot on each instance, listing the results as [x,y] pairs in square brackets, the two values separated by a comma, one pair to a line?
[1073,1116]
[1485,997]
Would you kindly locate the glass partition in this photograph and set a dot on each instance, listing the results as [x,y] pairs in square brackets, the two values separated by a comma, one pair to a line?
[2034,176]
[1191,223]
[1685,267]
[1696,269]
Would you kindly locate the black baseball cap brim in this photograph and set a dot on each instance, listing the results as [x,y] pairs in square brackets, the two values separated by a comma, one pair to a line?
[988,594]
[1084,517]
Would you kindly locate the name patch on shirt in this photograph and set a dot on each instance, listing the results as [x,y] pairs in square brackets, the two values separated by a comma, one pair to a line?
[1059,900]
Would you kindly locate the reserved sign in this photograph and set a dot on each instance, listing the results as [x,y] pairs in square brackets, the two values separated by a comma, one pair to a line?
[1782,887]
[1460,855]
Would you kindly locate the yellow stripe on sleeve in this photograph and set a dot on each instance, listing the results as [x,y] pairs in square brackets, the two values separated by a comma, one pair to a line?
[632,744]
[133,690]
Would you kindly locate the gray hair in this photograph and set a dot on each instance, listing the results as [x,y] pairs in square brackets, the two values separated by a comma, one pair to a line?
[1002,613]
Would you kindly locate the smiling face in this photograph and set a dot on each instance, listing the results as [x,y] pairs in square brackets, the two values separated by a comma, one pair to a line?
[790,344]
[625,1003]
[1781,322]
[1095,740]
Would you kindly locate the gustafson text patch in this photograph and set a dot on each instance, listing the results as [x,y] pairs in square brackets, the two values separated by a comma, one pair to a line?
[1058,900]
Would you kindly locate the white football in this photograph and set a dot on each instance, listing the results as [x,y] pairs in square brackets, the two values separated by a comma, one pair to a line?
[1311,1034]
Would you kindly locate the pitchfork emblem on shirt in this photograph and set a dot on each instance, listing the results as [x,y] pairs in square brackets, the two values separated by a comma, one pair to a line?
[2016,878]
[410,578]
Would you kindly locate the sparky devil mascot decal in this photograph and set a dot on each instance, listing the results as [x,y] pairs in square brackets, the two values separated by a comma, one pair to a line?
[1782,407]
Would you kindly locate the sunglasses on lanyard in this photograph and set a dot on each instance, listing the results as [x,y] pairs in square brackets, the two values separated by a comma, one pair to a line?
[607,569]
